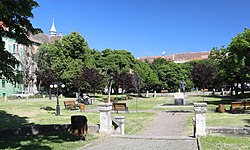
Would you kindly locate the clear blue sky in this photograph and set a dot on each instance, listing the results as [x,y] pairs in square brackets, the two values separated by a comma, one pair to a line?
[147,27]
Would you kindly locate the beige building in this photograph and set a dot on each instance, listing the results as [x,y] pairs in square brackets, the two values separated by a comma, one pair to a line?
[179,58]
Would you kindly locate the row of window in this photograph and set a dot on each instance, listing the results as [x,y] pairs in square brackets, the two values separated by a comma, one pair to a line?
[15,49]
[4,84]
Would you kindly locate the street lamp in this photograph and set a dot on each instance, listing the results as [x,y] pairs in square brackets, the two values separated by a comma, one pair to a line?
[57,86]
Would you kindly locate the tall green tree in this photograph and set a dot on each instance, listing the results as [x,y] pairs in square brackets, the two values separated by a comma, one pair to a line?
[148,78]
[14,23]
[66,58]
[239,50]
[116,60]
[171,75]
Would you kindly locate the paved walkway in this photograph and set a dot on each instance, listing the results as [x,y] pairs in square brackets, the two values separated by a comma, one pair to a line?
[166,132]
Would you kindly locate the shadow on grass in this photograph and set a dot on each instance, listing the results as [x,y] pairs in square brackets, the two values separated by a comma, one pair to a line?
[42,141]
[225,100]
[49,109]
[9,121]
[248,122]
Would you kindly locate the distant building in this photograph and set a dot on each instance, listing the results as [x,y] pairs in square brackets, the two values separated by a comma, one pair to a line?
[25,55]
[179,58]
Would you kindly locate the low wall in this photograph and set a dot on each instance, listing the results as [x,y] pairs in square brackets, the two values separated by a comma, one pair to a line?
[43,129]
[194,93]
[235,131]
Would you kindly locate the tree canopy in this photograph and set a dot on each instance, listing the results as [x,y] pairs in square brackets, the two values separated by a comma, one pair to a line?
[67,58]
[14,23]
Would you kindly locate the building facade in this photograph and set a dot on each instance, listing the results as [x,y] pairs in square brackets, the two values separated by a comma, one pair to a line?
[25,55]
[179,58]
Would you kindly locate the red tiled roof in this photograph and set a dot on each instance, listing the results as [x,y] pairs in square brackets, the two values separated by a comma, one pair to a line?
[189,56]
[2,25]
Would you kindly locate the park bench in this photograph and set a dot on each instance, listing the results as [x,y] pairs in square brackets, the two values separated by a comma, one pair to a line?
[240,106]
[70,104]
[119,107]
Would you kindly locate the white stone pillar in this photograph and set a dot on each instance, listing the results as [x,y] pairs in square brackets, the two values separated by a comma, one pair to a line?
[154,93]
[200,119]
[146,94]
[121,120]
[105,118]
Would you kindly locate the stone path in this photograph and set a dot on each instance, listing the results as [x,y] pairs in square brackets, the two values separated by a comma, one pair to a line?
[166,132]
[166,124]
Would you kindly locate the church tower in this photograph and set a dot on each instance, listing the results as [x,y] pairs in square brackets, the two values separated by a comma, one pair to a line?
[52,31]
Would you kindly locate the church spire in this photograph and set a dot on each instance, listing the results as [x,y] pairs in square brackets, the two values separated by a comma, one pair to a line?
[52,31]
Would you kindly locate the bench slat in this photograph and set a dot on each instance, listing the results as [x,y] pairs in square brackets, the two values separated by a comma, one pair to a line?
[120,107]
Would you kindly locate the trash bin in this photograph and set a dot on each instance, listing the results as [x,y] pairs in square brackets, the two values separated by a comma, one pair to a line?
[79,125]
[221,108]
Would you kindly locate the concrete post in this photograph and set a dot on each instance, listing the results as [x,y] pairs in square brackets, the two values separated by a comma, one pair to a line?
[105,118]
[200,119]
[154,93]
[146,94]
[121,120]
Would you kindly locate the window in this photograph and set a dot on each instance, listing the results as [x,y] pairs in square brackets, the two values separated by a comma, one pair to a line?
[14,48]
[3,84]
[17,49]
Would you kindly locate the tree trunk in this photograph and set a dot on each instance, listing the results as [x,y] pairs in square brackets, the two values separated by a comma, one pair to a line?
[232,89]
[242,88]
[236,90]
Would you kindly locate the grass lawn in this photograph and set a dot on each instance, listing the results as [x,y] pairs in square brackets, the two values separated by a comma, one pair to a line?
[225,143]
[18,113]
[61,140]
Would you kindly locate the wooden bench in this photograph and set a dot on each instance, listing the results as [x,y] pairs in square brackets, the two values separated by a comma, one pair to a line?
[119,107]
[239,106]
[70,104]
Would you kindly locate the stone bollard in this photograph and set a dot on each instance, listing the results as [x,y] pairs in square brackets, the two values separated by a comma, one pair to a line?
[105,118]
[154,93]
[200,119]
[146,94]
[121,120]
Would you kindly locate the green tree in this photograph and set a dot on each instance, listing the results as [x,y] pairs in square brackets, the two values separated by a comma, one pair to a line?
[239,51]
[171,75]
[148,78]
[66,58]
[14,23]
[116,60]
[234,61]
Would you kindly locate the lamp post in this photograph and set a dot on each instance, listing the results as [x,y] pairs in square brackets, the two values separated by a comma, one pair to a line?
[57,86]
